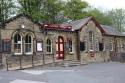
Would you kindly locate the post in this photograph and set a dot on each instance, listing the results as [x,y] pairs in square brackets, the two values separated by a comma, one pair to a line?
[43,59]
[32,61]
[7,64]
[20,62]
[78,45]
[53,58]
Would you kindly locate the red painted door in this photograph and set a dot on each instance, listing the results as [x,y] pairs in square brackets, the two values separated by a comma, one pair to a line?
[60,48]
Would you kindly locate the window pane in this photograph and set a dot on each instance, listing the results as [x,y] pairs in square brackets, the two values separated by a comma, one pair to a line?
[110,45]
[17,48]
[49,45]
[101,46]
[17,38]
[82,46]
[48,48]
[28,48]
[28,39]
[70,46]
[97,45]
[28,43]
[91,39]
[6,45]
[48,42]
[17,43]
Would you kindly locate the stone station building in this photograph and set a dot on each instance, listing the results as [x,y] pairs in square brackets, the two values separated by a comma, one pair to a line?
[25,43]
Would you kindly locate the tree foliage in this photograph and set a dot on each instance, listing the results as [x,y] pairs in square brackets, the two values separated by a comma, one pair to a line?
[31,7]
[118,18]
[5,9]
[58,11]
[41,9]
[101,17]
[74,9]
[52,9]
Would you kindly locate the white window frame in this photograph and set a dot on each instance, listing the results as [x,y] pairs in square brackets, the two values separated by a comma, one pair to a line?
[111,45]
[91,42]
[49,45]
[104,46]
[70,45]
[31,52]
[86,45]
[18,43]
[97,45]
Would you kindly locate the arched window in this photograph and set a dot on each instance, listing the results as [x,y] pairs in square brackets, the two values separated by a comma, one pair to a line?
[17,44]
[28,44]
[70,45]
[49,45]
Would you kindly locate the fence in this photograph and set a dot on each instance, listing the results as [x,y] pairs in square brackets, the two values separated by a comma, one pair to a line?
[21,62]
[119,57]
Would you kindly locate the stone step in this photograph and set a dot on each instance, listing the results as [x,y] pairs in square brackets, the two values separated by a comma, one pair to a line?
[71,63]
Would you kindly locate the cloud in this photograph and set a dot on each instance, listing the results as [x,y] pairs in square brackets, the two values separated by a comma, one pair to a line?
[107,4]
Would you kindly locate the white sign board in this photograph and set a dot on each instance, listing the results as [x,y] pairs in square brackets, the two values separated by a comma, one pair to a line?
[39,46]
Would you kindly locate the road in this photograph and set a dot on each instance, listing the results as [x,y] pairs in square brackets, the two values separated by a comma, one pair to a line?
[111,72]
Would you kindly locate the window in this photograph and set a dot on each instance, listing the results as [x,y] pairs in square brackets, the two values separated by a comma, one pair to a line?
[101,46]
[6,45]
[91,40]
[82,46]
[111,45]
[70,45]
[49,45]
[17,44]
[28,44]
[97,45]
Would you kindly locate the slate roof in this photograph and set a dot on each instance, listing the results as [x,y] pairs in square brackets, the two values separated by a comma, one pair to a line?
[108,30]
[112,31]
[79,23]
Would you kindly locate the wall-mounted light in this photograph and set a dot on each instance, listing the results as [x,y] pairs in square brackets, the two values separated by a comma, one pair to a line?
[22,26]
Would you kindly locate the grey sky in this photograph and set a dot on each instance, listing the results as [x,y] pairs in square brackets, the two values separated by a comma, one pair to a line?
[107,4]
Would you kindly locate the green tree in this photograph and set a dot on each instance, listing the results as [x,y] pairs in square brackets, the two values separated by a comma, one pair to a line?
[118,18]
[51,10]
[75,9]
[5,9]
[101,17]
[31,7]
[41,10]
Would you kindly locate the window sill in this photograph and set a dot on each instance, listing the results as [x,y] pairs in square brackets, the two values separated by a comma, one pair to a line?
[21,54]
[71,53]
[49,53]
[91,50]
[28,53]
[17,54]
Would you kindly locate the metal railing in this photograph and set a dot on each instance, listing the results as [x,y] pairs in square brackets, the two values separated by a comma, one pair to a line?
[27,61]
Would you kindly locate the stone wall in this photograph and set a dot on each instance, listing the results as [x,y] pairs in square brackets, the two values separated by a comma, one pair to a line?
[96,55]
